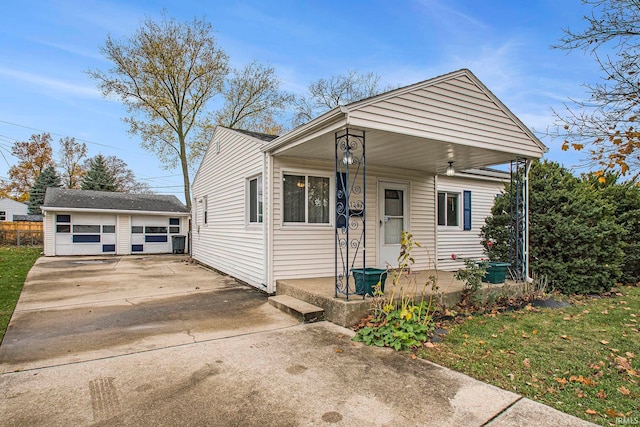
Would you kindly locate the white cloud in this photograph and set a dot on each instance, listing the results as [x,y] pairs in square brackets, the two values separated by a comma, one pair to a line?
[50,84]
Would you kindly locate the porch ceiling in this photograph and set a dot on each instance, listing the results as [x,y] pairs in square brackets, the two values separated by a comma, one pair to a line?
[396,150]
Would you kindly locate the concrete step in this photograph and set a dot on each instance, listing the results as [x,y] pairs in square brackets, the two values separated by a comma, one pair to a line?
[301,310]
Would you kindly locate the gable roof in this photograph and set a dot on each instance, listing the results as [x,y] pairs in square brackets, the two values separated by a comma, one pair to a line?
[417,104]
[59,198]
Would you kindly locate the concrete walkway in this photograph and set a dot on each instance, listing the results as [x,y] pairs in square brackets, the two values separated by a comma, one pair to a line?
[203,364]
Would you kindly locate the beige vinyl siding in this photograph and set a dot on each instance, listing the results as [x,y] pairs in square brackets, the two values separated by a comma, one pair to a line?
[465,243]
[228,242]
[123,225]
[308,250]
[49,227]
[447,111]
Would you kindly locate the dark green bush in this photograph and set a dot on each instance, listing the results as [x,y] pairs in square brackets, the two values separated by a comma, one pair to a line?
[574,238]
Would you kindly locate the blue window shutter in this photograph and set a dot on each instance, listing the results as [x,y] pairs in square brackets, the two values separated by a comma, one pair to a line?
[467,210]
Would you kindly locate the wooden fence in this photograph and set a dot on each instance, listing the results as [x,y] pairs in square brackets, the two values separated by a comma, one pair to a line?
[21,233]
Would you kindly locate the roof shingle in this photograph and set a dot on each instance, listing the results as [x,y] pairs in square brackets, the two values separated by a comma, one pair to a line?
[89,199]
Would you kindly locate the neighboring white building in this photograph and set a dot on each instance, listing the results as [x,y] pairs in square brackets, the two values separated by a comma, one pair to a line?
[267,208]
[9,208]
[83,222]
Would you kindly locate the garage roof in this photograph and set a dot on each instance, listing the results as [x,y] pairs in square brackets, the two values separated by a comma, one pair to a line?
[105,200]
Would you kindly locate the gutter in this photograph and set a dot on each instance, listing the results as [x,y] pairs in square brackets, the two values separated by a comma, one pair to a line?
[112,211]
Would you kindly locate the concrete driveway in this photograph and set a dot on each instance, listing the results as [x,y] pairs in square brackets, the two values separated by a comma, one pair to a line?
[156,341]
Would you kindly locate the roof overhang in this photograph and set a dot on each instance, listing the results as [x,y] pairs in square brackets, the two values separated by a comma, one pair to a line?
[111,211]
[416,142]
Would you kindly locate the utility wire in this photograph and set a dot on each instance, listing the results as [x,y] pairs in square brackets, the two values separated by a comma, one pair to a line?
[60,135]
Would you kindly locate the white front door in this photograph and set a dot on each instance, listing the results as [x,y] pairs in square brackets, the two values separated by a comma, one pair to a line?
[392,220]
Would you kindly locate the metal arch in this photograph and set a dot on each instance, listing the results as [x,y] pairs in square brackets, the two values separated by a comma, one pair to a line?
[351,202]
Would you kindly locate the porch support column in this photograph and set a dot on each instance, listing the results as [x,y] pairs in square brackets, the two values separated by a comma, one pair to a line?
[350,202]
[519,212]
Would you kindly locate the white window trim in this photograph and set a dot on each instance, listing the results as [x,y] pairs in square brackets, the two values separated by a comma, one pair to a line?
[460,226]
[307,173]
[247,201]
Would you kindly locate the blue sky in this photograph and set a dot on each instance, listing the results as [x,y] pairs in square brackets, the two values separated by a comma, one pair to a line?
[46,47]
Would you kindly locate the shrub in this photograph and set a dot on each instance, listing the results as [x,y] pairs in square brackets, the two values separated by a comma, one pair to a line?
[574,239]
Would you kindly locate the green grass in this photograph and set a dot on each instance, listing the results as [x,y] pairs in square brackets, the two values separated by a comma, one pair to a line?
[583,360]
[15,263]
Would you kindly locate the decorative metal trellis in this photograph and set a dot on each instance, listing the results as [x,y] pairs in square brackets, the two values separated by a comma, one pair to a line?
[351,202]
[519,210]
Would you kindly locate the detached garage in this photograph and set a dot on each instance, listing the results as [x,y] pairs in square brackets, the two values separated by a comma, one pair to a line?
[83,222]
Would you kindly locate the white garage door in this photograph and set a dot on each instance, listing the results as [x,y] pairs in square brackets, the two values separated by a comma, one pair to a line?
[152,234]
[85,234]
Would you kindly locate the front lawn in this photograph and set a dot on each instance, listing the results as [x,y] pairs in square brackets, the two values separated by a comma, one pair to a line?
[15,263]
[582,360]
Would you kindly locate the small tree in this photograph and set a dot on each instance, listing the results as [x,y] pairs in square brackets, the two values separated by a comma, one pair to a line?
[252,100]
[71,157]
[606,123]
[98,176]
[47,178]
[573,237]
[33,157]
[342,89]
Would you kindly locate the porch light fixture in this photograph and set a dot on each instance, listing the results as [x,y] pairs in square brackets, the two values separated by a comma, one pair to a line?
[451,171]
[348,158]
[300,183]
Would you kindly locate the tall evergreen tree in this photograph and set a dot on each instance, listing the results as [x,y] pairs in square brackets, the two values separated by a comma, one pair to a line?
[47,178]
[99,177]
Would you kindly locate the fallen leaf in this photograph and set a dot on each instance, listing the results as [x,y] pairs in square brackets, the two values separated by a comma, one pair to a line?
[511,377]
[601,394]
[630,355]
[590,412]
[604,342]
[604,312]
[340,336]
[429,344]
[494,336]
[526,362]
[534,332]
[566,318]
[560,380]
[622,363]
[580,394]
[565,337]
[525,336]
[623,390]
[480,342]
[414,357]
[612,413]
[339,350]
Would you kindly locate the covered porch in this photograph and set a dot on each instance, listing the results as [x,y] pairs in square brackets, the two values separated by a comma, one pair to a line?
[400,141]
[319,291]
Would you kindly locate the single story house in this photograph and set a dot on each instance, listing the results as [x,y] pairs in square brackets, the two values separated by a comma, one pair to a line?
[84,222]
[336,193]
[9,208]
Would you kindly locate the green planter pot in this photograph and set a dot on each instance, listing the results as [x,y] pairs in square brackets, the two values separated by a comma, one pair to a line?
[496,272]
[367,278]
